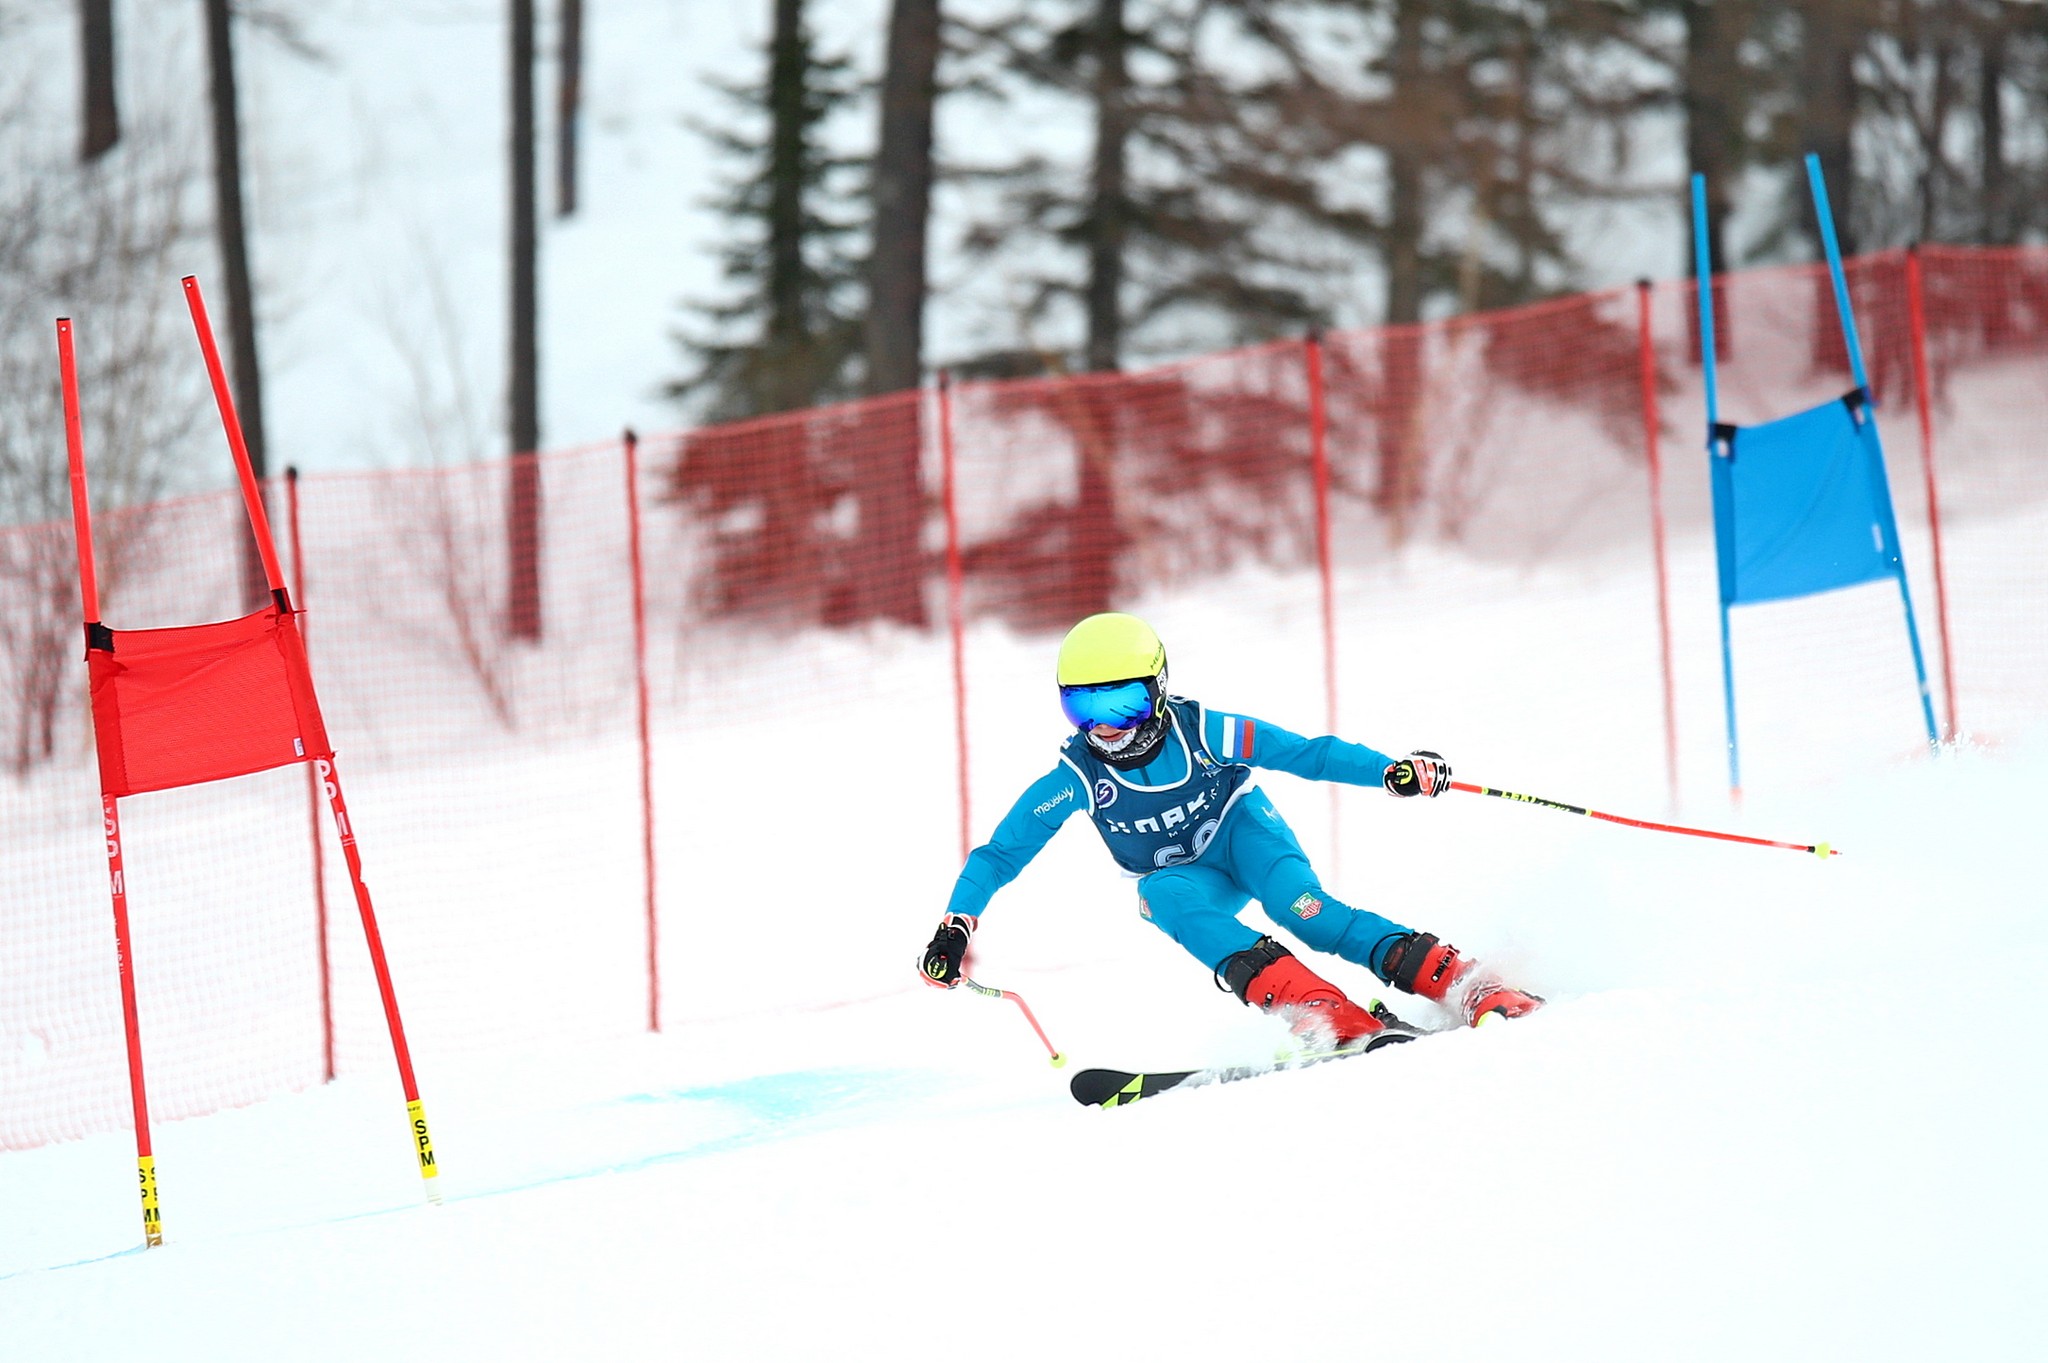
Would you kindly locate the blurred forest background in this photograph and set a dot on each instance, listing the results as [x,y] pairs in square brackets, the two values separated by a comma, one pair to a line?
[1249,165]
[1112,183]
[1221,171]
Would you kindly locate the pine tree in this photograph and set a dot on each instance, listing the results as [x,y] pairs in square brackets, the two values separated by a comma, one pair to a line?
[1196,219]
[788,336]
[1489,123]
[787,339]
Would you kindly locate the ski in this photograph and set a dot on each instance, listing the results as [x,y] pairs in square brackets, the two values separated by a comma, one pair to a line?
[1119,1088]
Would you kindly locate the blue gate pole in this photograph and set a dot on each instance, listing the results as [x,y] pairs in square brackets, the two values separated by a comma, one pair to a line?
[1841,281]
[1703,279]
[1880,484]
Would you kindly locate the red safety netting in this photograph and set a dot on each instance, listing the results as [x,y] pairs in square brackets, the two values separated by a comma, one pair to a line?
[1986,332]
[224,934]
[551,867]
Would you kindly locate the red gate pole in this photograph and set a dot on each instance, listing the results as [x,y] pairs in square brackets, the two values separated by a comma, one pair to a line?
[131,1020]
[632,442]
[259,523]
[89,590]
[955,609]
[110,812]
[74,441]
[1656,463]
[1319,457]
[291,492]
[252,497]
[1923,399]
[415,1111]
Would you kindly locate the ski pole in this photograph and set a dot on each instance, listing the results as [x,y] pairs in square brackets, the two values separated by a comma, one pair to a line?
[1819,849]
[1058,1061]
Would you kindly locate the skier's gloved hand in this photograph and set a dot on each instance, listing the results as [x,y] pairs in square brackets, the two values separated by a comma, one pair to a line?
[941,964]
[1419,773]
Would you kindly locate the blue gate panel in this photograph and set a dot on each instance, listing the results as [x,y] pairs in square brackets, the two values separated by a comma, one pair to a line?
[1800,505]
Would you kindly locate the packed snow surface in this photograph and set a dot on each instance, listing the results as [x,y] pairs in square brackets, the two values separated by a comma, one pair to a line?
[1777,1108]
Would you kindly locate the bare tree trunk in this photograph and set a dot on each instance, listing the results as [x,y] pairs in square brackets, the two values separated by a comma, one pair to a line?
[1708,98]
[1109,216]
[1406,154]
[1827,119]
[892,498]
[522,510]
[1712,144]
[903,191]
[568,107]
[1401,386]
[787,329]
[1935,179]
[1098,536]
[102,123]
[1994,177]
[234,251]
[1828,110]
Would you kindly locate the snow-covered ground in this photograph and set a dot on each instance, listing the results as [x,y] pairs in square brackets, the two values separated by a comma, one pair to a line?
[1779,1107]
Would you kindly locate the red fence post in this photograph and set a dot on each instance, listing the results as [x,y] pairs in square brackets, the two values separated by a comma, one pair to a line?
[291,492]
[639,574]
[1923,399]
[955,609]
[1656,463]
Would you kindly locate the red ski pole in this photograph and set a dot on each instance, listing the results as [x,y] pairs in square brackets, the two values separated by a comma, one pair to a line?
[1819,849]
[1058,1061]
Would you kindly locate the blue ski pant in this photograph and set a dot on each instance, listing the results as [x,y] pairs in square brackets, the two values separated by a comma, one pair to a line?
[1255,855]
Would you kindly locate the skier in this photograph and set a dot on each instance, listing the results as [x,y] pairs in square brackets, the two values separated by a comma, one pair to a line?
[1168,785]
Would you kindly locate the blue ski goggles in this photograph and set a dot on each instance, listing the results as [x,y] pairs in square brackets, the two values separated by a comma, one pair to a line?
[1120,705]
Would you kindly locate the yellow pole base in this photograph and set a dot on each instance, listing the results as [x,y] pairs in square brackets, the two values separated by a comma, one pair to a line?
[152,1215]
[423,1146]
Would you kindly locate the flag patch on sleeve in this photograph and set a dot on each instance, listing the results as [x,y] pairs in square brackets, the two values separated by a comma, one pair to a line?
[1238,734]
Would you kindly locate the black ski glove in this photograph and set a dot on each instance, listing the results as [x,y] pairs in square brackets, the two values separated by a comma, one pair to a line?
[941,964]
[1419,773]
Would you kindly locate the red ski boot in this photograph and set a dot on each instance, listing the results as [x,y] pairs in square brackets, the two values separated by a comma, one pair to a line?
[1272,979]
[1420,964]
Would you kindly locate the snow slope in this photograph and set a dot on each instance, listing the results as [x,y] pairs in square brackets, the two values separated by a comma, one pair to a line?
[1779,1108]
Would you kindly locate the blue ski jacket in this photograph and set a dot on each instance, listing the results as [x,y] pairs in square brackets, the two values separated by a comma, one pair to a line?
[1166,812]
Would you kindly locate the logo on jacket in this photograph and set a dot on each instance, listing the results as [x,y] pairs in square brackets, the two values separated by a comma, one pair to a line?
[1308,906]
[1105,793]
[1055,802]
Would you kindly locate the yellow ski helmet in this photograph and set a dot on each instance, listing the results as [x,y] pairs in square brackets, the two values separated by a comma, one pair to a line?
[1110,647]
[1112,679]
